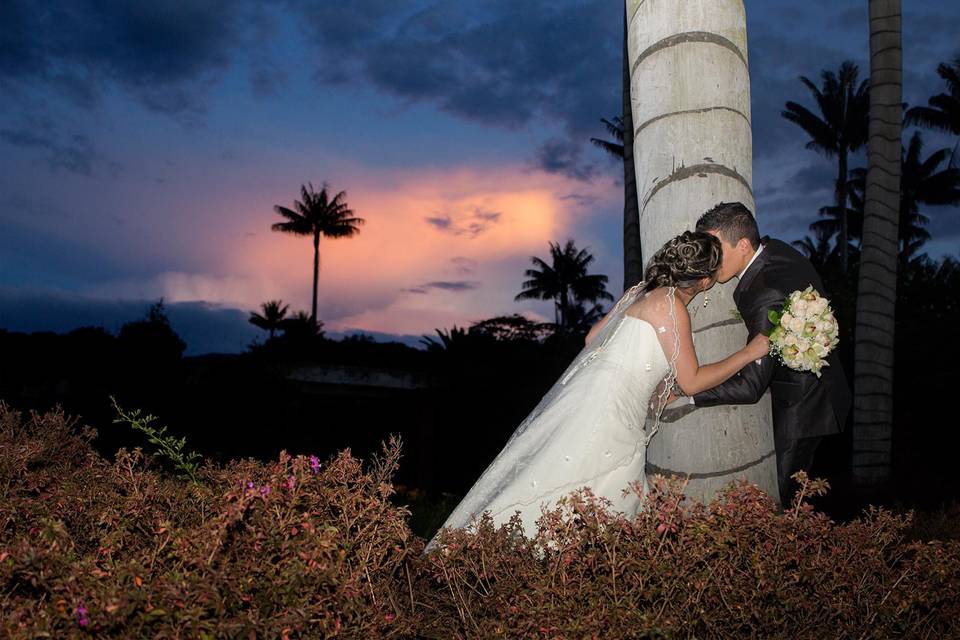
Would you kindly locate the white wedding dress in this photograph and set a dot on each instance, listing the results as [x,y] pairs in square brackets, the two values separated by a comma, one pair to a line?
[587,431]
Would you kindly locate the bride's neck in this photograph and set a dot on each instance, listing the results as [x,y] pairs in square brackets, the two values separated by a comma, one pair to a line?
[685,296]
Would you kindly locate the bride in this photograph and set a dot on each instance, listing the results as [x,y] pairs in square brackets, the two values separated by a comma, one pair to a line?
[588,429]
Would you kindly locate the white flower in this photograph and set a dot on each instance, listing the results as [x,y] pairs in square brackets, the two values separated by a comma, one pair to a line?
[796,325]
[807,332]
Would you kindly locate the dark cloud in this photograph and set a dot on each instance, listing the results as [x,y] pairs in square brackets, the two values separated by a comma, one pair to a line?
[453,286]
[564,157]
[153,49]
[816,176]
[456,286]
[499,62]
[472,222]
[75,154]
[204,327]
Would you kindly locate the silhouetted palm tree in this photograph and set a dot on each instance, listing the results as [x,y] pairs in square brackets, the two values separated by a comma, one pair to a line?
[318,215]
[564,280]
[274,312]
[615,128]
[943,114]
[922,182]
[875,329]
[840,128]
[818,251]
[301,327]
[453,339]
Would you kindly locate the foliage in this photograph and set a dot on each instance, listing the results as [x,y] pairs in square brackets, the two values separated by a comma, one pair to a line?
[274,313]
[840,128]
[299,548]
[615,128]
[316,214]
[922,182]
[566,281]
[290,549]
[168,447]
[152,339]
[943,112]
[730,569]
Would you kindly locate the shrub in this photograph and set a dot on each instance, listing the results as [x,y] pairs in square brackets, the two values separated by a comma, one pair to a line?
[293,548]
[299,548]
[730,569]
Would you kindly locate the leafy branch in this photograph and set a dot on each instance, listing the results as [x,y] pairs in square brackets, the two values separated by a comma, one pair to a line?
[169,447]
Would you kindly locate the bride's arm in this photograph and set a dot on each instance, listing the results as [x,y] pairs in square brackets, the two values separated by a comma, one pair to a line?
[693,377]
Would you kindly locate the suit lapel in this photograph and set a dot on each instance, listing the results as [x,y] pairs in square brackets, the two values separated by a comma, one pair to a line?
[751,273]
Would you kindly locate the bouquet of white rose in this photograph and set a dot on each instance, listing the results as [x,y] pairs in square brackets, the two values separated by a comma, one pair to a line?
[804,332]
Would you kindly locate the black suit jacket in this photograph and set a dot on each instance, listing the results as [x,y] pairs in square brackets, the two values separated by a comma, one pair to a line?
[803,405]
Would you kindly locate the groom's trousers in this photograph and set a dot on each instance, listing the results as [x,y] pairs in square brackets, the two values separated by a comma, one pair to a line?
[793,454]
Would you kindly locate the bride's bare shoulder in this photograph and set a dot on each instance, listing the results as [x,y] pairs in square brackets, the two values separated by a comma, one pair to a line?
[648,304]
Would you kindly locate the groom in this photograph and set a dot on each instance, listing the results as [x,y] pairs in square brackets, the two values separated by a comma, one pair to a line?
[805,407]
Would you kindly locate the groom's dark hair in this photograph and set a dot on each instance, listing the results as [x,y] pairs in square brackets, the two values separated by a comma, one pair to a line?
[732,221]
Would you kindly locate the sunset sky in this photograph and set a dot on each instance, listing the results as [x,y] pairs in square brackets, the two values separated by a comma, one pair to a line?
[144,145]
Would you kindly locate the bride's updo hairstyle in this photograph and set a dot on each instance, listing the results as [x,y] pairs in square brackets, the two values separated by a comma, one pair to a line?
[684,261]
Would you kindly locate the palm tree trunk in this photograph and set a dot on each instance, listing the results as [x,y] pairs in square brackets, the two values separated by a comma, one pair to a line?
[877,293]
[690,89]
[841,194]
[564,307]
[316,275]
[632,253]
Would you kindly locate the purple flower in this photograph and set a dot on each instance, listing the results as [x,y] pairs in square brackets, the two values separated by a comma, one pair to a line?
[315,463]
[291,482]
[249,485]
[81,612]
[265,490]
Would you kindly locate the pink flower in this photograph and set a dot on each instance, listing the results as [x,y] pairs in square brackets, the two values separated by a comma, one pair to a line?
[81,613]
[315,463]
[291,482]
[265,491]
[389,617]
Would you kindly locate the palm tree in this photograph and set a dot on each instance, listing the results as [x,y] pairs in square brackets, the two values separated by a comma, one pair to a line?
[615,129]
[301,327]
[454,338]
[274,313]
[943,114]
[694,126]
[621,129]
[840,128]
[817,250]
[877,286]
[316,214]
[922,182]
[564,280]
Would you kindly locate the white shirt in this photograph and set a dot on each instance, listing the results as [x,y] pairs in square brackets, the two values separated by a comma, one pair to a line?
[755,254]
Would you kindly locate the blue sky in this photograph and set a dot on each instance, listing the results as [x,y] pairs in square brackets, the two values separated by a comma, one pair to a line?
[142,147]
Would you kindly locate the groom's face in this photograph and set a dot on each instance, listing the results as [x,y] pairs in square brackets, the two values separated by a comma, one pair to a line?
[732,262]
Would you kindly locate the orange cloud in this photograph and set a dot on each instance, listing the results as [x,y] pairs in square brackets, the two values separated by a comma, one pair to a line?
[440,247]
